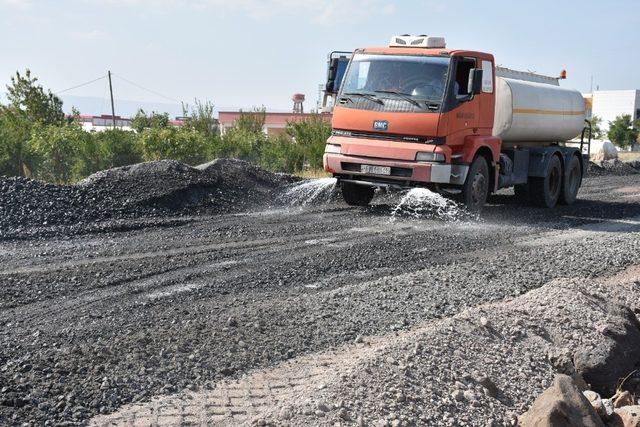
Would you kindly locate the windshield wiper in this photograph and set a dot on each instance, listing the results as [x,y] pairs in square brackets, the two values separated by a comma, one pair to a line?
[369,96]
[404,96]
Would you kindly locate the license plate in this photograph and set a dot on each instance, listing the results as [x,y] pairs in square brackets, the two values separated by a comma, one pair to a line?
[375,170]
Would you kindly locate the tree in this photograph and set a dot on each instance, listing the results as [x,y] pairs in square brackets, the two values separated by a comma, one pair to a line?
[27,98]
[311,134]
[201,118]
[121,147]
[29,104]
[623,132]
[143,121]
[252,122]
[55,150]
[182,144]
[596,129]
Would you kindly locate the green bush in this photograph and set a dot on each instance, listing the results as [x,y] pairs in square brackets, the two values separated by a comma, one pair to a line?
[182,144]
[121,147]
[55,150]
[311,135]
[282,155]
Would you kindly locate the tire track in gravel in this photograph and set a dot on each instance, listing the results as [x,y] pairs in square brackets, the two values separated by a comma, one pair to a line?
[236,260]
[188,248]
[43,311]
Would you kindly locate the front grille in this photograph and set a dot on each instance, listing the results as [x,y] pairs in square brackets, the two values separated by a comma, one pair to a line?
[390,105]
[395,171]
[389,136]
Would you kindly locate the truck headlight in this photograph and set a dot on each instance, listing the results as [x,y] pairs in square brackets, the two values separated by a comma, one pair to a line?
[429,157]
[332,148]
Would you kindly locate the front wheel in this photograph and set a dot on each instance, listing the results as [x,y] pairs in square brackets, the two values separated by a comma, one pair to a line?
[357,195]
[476,188]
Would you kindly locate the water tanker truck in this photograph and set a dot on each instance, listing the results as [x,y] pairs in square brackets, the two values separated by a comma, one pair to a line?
[416,114]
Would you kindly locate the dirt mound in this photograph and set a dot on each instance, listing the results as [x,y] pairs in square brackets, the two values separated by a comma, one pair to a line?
[613,167]
[145,189]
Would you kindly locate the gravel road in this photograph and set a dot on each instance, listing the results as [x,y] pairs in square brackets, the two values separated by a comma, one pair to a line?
[90,323]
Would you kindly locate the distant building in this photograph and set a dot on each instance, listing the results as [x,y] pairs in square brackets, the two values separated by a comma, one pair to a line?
[274,123]
[609,104]
[105,121]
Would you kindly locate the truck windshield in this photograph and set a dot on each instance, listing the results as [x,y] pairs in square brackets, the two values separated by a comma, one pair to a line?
[412,78]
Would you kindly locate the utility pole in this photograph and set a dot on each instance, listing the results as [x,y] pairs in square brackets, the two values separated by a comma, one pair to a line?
[113,108]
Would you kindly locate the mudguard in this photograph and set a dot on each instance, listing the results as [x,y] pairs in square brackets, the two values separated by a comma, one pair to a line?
[539,159]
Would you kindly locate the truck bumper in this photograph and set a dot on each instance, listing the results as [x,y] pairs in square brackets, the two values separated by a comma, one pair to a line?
[403,173]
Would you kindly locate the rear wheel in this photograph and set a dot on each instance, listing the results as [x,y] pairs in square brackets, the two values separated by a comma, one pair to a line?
[546,190]
[357,195]
[571,182]
[476,188]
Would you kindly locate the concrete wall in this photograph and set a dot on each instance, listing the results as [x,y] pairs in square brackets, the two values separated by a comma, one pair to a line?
[609,104]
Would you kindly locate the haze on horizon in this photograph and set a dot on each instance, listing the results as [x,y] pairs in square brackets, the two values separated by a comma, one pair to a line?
[246,53]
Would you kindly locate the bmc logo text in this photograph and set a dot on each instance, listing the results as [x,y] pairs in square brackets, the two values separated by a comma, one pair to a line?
[380,125]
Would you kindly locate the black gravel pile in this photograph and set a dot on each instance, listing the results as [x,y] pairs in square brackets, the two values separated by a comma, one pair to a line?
[613,168]
[146,189]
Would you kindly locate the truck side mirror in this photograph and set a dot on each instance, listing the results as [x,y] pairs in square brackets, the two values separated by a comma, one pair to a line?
[331,75]
[335,73]
[475,81]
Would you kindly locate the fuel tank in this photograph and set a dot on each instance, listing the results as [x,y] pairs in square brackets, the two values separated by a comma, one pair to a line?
[536,112]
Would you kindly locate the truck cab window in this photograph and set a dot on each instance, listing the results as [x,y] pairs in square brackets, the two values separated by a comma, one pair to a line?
[463,68]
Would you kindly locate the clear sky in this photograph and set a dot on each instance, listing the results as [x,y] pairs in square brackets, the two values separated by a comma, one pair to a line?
[244,53]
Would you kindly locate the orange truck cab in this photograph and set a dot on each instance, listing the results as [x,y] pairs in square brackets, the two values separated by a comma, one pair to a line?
[418,114]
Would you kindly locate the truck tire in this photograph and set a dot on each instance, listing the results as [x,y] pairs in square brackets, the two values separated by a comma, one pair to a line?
[545,191]
[357,195]
[476,188]
[571,182]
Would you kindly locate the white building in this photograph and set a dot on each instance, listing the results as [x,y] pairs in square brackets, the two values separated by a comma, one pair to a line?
[609,104]
[103,122]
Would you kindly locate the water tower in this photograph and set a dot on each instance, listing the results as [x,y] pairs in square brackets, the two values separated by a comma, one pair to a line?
[298,99]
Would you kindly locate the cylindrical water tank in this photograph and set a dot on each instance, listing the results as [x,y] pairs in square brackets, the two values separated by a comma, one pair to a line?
[536,112]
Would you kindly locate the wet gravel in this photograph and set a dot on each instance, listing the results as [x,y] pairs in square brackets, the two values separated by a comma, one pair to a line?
[91,322]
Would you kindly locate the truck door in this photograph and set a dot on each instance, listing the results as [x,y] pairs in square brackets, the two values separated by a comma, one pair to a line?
[464,108]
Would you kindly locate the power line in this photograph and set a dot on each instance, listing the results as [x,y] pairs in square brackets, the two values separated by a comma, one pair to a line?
[80,85]
[147,89]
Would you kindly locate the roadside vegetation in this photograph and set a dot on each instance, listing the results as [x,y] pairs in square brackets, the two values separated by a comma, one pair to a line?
[38,141]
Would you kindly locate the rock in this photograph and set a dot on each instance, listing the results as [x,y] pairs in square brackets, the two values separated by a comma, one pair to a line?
[323,407]
[469,395]
[591,396]
[614,356]
[231,322]
[597,403]
[484,321]
[562,404]
[488,385]
[627,416]
[608,407]
[623,399]
[344,414]
[603,150]
[285,413]
[457,395]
